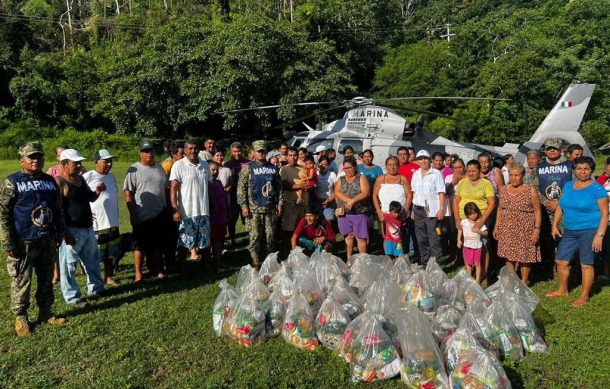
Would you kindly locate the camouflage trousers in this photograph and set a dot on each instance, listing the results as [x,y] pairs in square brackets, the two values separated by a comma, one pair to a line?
[33,256]
[261,227]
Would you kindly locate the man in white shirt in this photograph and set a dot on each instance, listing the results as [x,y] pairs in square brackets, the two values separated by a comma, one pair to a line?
[189,197]
[105,212]
[429,207]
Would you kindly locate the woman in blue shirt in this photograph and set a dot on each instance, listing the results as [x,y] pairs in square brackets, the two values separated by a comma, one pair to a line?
[584,208]
[366,168]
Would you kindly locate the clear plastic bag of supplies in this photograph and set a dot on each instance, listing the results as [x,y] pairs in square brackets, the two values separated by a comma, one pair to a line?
[331,322]
[422,363]
[269,267]
[299,325]
[374,356]
[478,368]
[276,309]
[223,305]
[246,322]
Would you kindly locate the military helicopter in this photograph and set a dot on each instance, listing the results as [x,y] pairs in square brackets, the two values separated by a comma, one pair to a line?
[368,125]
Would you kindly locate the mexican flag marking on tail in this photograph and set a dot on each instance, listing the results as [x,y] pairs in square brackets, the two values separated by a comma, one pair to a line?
[567,104]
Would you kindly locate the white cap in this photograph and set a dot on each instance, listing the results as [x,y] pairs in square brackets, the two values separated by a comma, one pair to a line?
[422,153]
[71,155]
[320,148]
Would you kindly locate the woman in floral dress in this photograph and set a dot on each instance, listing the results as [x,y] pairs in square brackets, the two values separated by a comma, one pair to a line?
[518,220]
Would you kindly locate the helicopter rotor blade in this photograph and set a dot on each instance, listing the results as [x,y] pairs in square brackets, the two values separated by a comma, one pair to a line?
[419,111]
[273,107]
[443,98]
[315,113]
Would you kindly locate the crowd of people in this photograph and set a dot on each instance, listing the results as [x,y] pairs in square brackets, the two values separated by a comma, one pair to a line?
[539,218]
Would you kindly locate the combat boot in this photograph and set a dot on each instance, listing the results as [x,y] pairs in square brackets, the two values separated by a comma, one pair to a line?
[49,318]
[22,327]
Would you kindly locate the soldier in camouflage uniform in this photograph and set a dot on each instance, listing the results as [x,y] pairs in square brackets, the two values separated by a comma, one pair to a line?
[31,227]
[258,195]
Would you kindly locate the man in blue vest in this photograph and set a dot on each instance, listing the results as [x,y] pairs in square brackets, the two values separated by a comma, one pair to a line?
[258,193]
[31,227]
[548,178]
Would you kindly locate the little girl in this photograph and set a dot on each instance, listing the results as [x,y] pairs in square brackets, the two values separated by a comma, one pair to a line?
[307,175]
[473,246]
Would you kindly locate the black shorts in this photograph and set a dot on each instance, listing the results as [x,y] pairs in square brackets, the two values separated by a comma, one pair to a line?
[154,233]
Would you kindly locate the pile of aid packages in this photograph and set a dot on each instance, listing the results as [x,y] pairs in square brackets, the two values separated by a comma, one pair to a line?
[385,318]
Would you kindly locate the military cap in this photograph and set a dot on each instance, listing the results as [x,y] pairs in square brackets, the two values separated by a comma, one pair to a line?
[30,148]
[553,142]
[258,145]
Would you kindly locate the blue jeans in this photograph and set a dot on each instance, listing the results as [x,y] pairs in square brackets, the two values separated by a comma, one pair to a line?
[84,251]
[313,246]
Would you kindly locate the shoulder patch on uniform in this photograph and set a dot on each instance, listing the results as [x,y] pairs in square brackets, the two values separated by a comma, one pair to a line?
[8,189]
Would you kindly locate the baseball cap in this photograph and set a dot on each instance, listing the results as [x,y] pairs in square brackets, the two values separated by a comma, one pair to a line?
[146,145]
[320,148]
[30,148]
[553,142]
[422,154]
[258,145]
[236,145]
[103,154]
[72,155]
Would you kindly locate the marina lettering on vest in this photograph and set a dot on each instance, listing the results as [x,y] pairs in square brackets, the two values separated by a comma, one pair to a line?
[35,185]
[553,169]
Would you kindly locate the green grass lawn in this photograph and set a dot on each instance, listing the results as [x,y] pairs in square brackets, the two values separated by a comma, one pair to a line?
[160,335]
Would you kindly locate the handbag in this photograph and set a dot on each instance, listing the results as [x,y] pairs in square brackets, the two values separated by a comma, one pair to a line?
[340,211]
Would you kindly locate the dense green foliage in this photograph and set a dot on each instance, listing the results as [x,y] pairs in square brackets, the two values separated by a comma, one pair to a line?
[161,68]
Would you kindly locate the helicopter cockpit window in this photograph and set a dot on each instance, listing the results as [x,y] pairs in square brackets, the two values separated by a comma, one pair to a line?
[355,143]
[313,143]
[297,142]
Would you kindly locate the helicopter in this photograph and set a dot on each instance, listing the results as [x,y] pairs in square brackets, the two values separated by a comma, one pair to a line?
[378,127]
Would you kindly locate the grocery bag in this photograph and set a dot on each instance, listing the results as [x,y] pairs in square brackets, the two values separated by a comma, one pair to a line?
[531,338]
[298,328]
[447,320]
[373,354]
[305,281]
[478,368]
[296,258]
[223,305]
[417,292]
[246,322]
[507,333]
[422,363]
[344,295]
[436,278]
[269,267]
[455,344]
[282,281]
[474,324]
[275,313]
[331,322]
